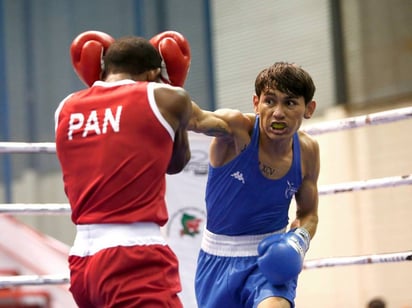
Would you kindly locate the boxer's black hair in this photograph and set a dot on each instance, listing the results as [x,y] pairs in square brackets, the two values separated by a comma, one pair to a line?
[132,55]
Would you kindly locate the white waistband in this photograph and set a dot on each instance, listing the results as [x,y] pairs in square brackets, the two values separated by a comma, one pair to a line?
[94,237]
[233,246]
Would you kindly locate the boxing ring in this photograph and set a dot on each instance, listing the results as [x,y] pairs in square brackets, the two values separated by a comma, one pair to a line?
[379,118]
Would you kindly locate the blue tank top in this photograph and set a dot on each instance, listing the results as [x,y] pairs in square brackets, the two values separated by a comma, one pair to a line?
[240,200]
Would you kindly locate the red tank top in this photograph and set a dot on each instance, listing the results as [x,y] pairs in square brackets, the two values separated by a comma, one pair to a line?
[114,147]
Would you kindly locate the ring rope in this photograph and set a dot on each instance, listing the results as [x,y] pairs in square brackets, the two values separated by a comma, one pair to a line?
[27,147]
[64,208]
[20,280]
[316,129]
[366,184]
[360,121]
[35,208]
[32,280]
[356,260]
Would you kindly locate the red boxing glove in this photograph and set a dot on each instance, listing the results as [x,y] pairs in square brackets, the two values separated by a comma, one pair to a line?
[175,52]
[86,52]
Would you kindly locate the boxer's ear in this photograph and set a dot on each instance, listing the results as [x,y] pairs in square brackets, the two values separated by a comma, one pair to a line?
[309,109]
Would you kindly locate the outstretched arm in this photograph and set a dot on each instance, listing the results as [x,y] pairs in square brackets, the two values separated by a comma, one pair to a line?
[219,123]
[207,122]
[230,128]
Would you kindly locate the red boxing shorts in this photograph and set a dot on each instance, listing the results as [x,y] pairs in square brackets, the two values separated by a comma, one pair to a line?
[145,275]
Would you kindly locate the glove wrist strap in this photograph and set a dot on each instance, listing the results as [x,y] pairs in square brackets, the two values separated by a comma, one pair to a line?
[305,236]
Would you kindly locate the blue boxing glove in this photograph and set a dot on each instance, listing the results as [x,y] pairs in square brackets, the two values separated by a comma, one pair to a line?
[281,255]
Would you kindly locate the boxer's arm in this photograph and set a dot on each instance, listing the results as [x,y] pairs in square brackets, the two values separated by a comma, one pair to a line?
[175,105]
[281,256]
[230,128]
[181,147]
[218,123]
[307,196]
[181,152]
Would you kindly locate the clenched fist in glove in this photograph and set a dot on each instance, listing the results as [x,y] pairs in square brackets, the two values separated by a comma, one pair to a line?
[175,52]
[86,51]
[281,255]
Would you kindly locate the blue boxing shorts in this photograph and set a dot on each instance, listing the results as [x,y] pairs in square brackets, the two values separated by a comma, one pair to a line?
[228,276]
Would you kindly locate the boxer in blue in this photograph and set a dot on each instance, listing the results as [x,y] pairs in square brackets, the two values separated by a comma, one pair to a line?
[250,256]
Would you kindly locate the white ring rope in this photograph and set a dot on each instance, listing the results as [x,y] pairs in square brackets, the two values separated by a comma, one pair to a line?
[27,147]
[367,184]
[64,208]
[35,208]
[360,121]
[8,281]
[366,259]
[32,280]
[316,129]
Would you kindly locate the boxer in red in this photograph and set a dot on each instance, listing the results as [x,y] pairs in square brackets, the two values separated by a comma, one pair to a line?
[116,140]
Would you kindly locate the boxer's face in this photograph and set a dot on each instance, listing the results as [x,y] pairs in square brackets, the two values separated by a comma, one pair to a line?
[281,113]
